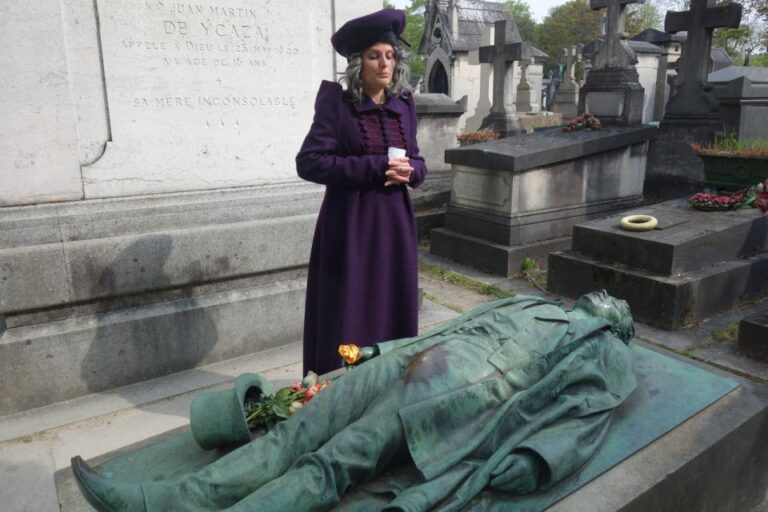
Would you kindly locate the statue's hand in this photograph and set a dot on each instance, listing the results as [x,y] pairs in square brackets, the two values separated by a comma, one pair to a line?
[518,473]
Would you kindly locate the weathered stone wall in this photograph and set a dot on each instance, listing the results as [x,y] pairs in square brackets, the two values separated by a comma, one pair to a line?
[153,220]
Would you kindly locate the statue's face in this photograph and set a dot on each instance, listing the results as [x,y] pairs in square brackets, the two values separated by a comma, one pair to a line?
[616,311]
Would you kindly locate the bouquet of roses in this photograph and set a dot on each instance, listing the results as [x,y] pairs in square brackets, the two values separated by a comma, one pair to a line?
[265,411]
[585,121]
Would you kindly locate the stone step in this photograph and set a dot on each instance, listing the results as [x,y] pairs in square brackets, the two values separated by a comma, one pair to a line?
[753,336]
[685,240]
[667,302]
[40,419]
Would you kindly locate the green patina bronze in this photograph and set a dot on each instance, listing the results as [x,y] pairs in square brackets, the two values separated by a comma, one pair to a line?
[217,418]
[510,398]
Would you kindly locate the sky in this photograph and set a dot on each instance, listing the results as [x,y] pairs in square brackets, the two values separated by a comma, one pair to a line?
[539,8]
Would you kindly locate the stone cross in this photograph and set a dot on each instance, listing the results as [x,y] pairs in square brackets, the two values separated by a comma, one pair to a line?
[508,47]
[523,102]
[700,22]
[614,52]
[570,55]
[567,97]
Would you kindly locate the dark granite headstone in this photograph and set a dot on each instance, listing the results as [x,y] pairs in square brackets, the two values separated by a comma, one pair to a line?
[693,266]
[691,115]
[753,336]
[691,98]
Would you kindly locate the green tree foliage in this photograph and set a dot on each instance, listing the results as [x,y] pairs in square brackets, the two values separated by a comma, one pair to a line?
[750,38]
[641,17]
[414,29]
[521,13]
[567,25]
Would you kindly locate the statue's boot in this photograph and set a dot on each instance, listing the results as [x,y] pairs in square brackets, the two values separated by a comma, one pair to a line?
[104,494]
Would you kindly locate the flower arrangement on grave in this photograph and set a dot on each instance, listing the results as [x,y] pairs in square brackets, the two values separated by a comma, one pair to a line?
[475,137]
[712,201]
[585,121]
[756,197]
[265,411]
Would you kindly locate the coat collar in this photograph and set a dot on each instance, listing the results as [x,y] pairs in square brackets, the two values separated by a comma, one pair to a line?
[393,104]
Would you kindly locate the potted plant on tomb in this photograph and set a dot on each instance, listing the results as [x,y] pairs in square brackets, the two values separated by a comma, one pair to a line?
[733,164]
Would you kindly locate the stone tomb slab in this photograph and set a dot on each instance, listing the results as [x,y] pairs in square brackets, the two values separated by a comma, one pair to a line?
[654,409]
[685,240]
[697,265]
[520,196]
[205,95]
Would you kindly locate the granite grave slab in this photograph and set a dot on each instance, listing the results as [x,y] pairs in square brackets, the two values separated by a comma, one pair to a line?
[694,265]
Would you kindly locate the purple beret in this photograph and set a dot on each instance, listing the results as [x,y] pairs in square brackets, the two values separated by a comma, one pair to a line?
[358,34]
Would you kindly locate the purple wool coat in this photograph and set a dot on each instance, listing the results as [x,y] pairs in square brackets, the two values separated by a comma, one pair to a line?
[363,274]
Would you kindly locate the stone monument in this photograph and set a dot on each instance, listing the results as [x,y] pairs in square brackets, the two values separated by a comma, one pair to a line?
[612,91]
[743,95]
[519,197]
[691,115]
[508,49]
[525,94]
[691,99]
[453,31]
[567,96]
[152,219]
[693,266]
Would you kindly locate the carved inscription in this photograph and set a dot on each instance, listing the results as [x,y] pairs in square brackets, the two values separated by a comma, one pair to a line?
[207,59]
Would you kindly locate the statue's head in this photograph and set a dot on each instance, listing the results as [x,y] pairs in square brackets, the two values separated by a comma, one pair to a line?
[616,311]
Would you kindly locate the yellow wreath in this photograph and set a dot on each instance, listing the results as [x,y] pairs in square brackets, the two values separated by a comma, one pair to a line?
[638,223]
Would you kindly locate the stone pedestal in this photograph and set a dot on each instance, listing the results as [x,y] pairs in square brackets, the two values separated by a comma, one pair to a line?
[519,197]
[438,127]
[101,294]
[674,170]
[693,266]
[615,96]
[753,336]
[567,100]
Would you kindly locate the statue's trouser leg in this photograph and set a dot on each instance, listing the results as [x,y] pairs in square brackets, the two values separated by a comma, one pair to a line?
[241,472]
[319,480]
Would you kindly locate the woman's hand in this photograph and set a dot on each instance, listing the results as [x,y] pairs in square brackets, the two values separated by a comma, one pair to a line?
[398,172]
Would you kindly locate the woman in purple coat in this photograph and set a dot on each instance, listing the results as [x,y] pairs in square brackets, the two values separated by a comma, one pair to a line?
[363,276]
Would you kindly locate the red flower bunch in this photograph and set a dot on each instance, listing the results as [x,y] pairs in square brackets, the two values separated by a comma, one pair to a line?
[712,202]
[264,412]
[309,392]
[585,121]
